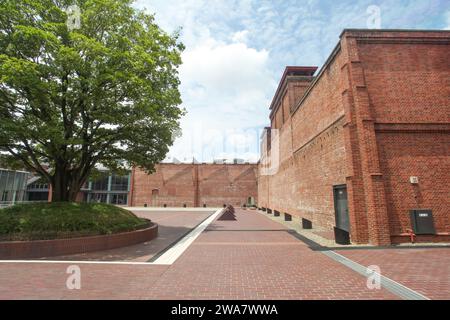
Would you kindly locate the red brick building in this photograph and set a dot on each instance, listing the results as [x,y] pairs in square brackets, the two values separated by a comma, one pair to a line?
[366,140]
[194,185]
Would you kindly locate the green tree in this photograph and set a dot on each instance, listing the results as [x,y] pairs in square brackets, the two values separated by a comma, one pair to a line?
[103,93]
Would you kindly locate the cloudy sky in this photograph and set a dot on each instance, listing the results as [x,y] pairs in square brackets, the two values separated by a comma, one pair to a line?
[236,51]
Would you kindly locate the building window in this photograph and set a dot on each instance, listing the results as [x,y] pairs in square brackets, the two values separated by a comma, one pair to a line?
[13,185]
[112,189]
[100,184]
[38,191]
[119,199]
[98,197]
[119,183]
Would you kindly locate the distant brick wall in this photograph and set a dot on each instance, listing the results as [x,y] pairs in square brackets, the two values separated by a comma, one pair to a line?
[376,114]
[213,185]
[227,184]
[172,185]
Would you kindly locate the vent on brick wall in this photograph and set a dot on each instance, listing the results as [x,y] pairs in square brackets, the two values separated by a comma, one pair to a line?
[341,236]
[306,224]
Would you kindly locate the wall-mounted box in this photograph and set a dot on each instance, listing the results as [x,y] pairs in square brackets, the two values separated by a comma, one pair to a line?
[414,180]
[422,221]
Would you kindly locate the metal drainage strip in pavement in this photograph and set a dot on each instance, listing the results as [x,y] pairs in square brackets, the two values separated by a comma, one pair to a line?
[389,284]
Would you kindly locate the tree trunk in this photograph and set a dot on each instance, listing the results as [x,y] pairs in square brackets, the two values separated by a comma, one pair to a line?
[59,195]
[64,193]
[64,190]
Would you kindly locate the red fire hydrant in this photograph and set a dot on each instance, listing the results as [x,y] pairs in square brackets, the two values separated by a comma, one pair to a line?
[412,235]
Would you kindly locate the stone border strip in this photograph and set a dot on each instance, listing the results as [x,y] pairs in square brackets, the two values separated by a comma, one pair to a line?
[389,284]
[59,247]
[162,209]
[171,255]
[155,257]
[316,244]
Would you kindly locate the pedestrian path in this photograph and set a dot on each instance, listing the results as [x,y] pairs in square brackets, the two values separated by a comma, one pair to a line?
[252,257]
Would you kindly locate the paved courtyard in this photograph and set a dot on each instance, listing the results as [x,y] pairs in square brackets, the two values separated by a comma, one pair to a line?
[253,257]
[426,271]
[172,225]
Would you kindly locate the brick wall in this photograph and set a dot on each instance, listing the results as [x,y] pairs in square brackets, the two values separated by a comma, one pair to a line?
[424,155]
[171,185]
[404,74]
[407,82]
[377,113]
[312,152]
[176,185]
[227,184]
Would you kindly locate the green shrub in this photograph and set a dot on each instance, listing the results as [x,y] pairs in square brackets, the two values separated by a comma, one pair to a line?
[39,221]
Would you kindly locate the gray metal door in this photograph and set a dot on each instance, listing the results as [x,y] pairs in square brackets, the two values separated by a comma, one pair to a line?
[341,207]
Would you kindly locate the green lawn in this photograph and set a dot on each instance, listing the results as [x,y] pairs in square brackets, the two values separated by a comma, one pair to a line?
[39,221]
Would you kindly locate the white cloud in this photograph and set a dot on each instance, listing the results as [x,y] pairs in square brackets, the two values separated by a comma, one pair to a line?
[240,36]
[225,69]
[236,51]
[224,86]
[225,83]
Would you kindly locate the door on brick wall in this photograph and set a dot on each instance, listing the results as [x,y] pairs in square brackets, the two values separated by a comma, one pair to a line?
[341,207]
[155,196]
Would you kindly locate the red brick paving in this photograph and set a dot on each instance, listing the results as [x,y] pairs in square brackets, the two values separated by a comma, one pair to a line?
[171,226]
[426,271]
[251,258]
[225,263]
[98,281]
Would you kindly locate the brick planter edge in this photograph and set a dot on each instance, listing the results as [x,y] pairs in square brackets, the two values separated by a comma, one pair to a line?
[58,247]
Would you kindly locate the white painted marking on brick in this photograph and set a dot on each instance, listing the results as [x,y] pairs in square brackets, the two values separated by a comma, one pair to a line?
[171,255]
[387,283]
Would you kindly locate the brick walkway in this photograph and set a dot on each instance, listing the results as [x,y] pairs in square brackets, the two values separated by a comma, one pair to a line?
[251,258]
[172,225]
[426,271]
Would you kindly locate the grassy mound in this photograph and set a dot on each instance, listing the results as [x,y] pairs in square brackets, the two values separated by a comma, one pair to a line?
[40,221]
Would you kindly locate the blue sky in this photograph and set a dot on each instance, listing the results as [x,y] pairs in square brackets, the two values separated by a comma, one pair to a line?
[236,51]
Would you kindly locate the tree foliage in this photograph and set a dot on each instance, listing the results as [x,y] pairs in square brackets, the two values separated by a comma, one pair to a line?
[104,93]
